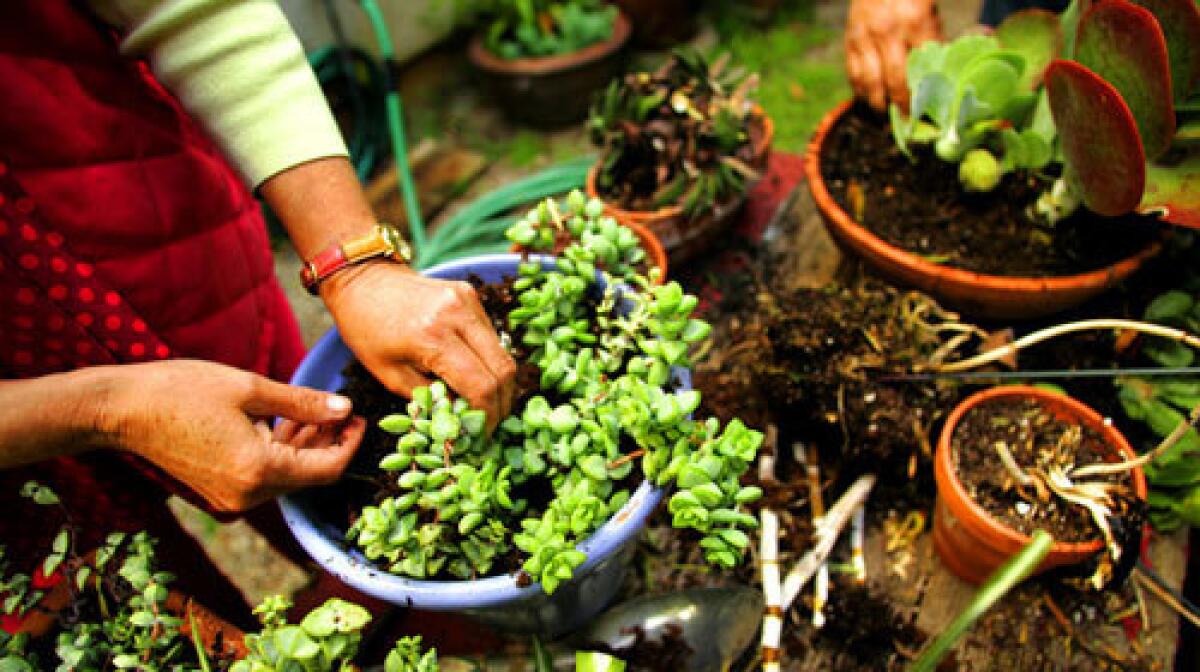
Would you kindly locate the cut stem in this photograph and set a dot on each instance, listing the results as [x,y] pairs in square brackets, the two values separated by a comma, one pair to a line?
[833,524]
[773,613]
[1166,444]
[812,469]
[858,533]
[1009,349]
[997,586]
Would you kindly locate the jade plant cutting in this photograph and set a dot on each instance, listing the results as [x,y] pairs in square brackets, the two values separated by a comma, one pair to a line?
[537,28]
[1096,106]
[605,413]
[616,248]
[682,134]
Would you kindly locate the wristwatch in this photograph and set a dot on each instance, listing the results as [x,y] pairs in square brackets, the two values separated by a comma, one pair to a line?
[383,242]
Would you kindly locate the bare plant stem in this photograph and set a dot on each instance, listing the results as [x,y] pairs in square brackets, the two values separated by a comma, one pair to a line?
[1062,329]
[833,524]
[1166,444]
[772,626]
[858,533]
[812,469]
[1010,464]
[1166,597]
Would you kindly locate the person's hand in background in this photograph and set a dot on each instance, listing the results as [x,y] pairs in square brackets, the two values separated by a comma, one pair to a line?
[879,35]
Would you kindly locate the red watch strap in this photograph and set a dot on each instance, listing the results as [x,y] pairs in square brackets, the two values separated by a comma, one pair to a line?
[321,266]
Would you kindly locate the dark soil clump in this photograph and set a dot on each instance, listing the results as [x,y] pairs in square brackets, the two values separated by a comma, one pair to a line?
[866,630]
[921,207]
[1036,439]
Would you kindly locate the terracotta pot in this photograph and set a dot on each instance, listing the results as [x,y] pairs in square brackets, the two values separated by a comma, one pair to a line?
[970,542]
[656,256]
[660,23]
[684,238]
[551,90]
[976,294]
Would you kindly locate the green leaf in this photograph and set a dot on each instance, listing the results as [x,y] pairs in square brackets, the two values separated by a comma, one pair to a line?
[292,642]
[1169,307]
[1036,36]
[595,467]
[397,423]
[1123,45]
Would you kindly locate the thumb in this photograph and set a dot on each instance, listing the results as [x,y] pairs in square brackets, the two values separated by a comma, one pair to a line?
[302,404]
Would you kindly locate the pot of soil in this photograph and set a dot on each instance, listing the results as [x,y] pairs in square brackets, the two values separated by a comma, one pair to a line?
[913,224]
[984,515]
[550,91]
[684,237]
[507,599]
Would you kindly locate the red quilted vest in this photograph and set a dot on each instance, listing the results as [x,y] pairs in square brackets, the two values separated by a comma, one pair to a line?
[124,237]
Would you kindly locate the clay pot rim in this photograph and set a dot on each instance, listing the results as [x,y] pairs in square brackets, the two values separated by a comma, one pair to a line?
[656,254]
[544,65]
[676,210]
[1099,277]
[1086,416]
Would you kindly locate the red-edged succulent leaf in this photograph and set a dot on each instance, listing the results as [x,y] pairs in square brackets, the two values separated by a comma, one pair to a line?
[1180,23]
[1173,191]
[1034,34]
[1099,139]
[1123,44]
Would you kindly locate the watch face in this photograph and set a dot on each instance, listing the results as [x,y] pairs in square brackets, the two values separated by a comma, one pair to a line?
[391,235]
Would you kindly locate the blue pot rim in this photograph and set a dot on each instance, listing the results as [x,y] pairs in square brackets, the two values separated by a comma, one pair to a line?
[323,542]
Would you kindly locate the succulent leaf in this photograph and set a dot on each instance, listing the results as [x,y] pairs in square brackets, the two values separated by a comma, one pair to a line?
[1101,147]
[1036,35]
[1123,44]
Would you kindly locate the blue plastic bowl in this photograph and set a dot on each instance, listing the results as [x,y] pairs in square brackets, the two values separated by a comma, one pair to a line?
[498,600]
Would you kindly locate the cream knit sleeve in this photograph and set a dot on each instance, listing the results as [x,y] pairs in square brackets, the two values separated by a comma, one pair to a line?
[236,66]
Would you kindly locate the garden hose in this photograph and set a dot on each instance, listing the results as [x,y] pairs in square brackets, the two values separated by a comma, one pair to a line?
[377,122]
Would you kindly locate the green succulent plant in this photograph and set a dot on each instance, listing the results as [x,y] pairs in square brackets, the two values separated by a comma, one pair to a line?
[1161,403]
[680,135]
[1099,104]
[408,656]
[326,639]
[614,248]
[606,403]
[535,28]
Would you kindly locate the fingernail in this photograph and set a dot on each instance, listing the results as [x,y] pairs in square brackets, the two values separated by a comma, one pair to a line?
[337,403]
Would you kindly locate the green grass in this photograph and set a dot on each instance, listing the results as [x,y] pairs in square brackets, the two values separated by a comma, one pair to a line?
[801,78]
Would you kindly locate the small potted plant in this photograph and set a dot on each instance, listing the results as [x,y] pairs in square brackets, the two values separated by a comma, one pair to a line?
[626,250]
[680,147]
[529,528]
[1014,459]
[975,197]
[542,59]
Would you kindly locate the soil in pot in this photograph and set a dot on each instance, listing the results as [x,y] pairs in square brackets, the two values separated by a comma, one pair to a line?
[1036,439]
[922,208]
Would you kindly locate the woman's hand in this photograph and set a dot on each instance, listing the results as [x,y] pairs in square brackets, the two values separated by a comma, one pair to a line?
[207,425]
[879,36]
[404,327]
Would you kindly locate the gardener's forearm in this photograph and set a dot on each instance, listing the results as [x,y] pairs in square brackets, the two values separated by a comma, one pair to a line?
[52,416]
[320,203]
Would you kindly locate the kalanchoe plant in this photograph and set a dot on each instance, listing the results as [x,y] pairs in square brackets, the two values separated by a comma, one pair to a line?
[683,134]
[326,639]
[614,248]
[1118,103]
[606,403]
[536,28]
[975,99]
[408,656]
